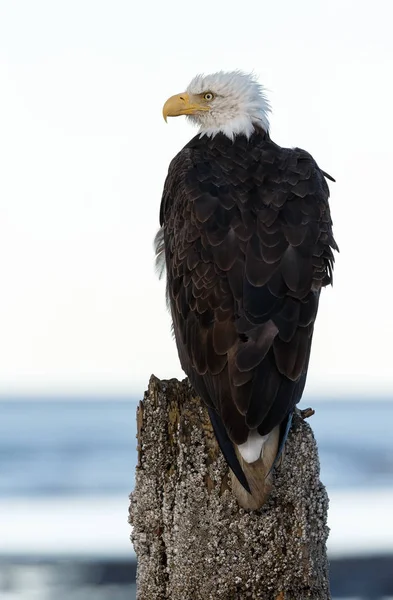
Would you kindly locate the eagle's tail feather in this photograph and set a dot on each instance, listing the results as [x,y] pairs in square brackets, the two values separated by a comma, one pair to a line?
[258,474]
[251,482]
[228,450]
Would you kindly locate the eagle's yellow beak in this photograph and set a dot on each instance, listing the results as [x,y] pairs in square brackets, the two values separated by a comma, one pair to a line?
[181,104]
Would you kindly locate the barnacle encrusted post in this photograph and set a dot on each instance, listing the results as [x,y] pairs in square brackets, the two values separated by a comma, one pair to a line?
[193,541]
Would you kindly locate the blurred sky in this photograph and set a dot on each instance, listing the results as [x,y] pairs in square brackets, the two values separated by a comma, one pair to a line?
[84,152]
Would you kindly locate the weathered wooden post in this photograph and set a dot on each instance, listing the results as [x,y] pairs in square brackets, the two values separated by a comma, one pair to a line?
[193,541]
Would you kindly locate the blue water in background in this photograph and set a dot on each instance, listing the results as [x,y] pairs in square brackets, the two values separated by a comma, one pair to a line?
[71,447]
[54,448]
[56,453]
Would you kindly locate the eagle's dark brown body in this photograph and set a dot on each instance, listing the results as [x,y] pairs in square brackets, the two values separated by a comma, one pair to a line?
[248,245]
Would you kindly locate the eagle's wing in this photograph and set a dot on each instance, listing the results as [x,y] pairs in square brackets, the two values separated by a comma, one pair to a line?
[248,246]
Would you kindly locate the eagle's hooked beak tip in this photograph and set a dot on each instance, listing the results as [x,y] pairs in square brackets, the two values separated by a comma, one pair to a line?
[180,104]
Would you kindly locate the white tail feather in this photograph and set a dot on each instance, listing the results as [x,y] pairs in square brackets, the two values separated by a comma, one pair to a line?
[257,473]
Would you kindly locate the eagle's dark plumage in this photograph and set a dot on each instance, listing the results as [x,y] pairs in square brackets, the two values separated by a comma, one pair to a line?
[248,241]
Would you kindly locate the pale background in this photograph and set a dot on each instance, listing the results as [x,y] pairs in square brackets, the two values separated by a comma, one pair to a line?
[84,152]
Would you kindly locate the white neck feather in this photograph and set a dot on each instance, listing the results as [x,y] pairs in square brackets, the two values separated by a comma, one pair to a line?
[241,125]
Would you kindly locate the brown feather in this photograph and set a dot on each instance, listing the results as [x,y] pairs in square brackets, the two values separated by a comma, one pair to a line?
[258,474]
[248,244]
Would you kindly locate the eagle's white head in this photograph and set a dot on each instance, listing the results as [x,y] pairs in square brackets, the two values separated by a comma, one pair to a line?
[231,103]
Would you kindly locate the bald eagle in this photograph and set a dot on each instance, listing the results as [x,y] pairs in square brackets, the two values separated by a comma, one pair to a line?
[246,241]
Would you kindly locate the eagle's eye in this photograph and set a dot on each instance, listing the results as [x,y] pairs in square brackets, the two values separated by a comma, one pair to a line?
[208,96]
